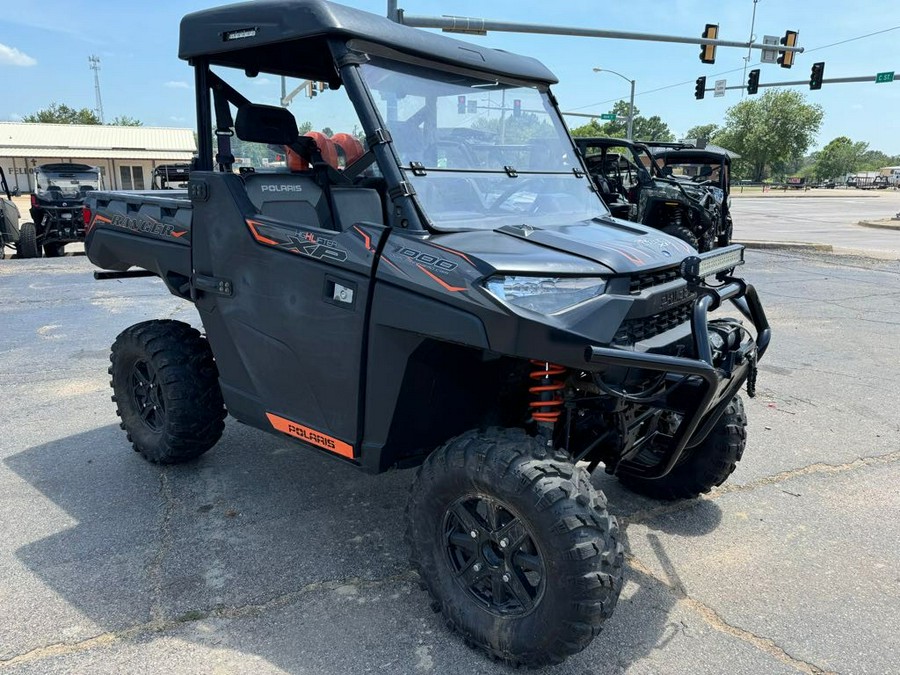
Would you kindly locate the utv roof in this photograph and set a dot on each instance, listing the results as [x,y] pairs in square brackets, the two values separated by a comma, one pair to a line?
[290,37]
[688,151]
[66,167]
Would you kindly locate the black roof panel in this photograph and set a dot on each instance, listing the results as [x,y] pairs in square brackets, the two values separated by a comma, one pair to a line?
[258,35]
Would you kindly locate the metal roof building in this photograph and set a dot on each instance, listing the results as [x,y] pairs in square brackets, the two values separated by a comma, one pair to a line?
[126,155]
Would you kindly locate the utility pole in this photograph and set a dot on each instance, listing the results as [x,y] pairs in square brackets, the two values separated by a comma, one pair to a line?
[750,40]
[95,66]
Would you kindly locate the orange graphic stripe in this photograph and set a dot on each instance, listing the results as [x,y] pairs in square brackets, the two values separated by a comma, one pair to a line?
[179,234]
[366,237]
[102,219]
[450,250]
[452,289]
[311,436]
[256,235]
[394,265]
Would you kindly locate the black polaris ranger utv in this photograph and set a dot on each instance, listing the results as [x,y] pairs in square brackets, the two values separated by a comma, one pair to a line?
[636,185]
[56,204]
[12,234]
[458,297]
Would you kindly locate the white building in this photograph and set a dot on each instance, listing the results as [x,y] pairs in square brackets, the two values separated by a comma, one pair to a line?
[126,155]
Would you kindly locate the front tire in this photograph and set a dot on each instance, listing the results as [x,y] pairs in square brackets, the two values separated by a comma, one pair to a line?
[684,233]
[166,390]
[707,466]
[28,246]
[544,568]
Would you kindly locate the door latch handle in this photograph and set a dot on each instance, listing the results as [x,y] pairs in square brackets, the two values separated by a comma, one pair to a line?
[214,285]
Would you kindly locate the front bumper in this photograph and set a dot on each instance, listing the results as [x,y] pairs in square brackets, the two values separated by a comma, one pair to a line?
[701,388]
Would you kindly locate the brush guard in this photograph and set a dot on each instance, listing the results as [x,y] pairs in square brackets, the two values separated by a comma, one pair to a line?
[717,385]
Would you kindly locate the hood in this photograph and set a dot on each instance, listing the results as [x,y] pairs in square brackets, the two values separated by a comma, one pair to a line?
[616,246]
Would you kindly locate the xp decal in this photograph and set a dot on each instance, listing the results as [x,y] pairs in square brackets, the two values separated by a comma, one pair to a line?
[303,243]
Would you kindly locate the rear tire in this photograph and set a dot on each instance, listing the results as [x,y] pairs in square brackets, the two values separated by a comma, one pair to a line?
[28,246]
[166,390]
[707,466]
[683,233]
[549,563]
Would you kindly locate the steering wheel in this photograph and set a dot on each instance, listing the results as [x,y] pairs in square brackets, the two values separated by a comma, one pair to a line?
[517,186]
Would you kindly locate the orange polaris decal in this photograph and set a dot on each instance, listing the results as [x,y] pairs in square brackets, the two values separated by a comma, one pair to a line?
[179,234]
[311,436]
[102,219]
[366,238]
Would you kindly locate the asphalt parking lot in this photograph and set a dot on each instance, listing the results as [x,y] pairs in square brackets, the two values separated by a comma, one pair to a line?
[262,557]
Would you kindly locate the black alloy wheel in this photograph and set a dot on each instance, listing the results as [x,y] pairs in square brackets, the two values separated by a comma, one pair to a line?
[493,555]
[146,396]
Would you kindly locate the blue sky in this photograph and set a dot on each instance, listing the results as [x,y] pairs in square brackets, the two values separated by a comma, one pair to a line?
[44,49]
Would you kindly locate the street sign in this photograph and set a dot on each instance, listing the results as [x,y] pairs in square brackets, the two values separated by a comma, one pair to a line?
[720,88]
[770,55]
[612,116]
[885,77]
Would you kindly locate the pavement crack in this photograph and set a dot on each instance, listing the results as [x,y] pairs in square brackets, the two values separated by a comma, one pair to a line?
[651,513]
[154,568]
[160,625]
[715,621]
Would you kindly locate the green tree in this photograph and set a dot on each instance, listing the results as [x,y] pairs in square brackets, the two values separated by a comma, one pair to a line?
[60,113]
[643,128]
[516,130]
[770,131]
[840,157]
[125,121]
[707,131]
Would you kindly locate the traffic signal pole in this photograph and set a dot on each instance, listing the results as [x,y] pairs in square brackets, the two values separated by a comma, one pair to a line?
[477,26]
[830,80]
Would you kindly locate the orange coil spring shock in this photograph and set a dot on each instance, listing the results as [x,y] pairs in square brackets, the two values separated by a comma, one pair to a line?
[548,392]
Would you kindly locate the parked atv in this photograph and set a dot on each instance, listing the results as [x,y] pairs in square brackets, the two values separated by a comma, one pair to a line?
[21,238]
[633,187]
[170,177]
[56,204]
[455,297]
[708,166]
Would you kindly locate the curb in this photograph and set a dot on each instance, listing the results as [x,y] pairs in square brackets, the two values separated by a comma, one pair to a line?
[788,245]
[879,225]
[829,195]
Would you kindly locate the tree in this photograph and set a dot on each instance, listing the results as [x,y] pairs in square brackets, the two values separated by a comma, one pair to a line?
[125,121]
[516,129]
[707,131]
[770,131]
[840,157]
[60,113]
[643,128]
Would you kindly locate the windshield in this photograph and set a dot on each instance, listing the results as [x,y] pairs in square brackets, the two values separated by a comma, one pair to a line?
[58,185]
[481,154]
[695,171]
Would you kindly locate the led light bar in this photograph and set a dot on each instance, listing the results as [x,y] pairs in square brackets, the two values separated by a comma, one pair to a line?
[696,268]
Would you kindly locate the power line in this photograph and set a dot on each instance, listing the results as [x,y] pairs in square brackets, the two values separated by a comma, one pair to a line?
[734,70]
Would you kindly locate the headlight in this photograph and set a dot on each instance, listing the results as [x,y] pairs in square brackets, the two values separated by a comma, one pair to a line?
[546,295]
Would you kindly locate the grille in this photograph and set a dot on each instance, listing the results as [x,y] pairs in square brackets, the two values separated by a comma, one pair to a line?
[649,279]
[635,330]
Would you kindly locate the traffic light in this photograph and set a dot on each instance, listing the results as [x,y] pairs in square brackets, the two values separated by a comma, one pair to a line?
[517,107]
[700,88]
[708,52]
[313,89]
[461,105]
[815,75]
[786,59]
[753,81]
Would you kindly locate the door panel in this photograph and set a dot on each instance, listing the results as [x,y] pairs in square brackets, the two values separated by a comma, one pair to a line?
[289,340]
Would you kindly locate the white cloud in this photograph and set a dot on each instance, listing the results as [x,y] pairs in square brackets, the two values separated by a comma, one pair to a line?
[262,81]
[175,118]
[177,84]
[10,56]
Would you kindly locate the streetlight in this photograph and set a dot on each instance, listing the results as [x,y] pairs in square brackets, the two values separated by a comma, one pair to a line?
[630,105]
